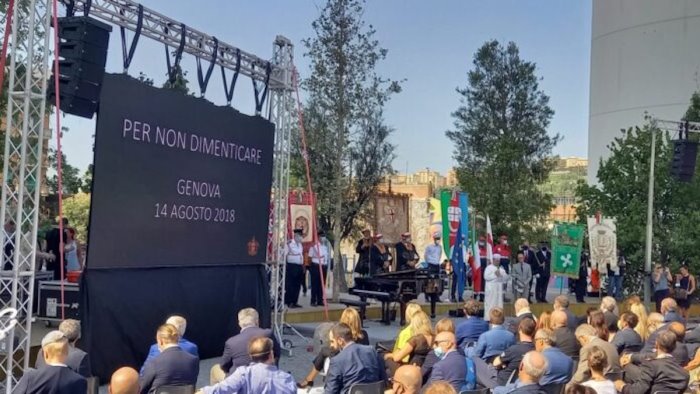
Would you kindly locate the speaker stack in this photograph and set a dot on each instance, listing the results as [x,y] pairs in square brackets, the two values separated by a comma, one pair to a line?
[82,58]
[685,153]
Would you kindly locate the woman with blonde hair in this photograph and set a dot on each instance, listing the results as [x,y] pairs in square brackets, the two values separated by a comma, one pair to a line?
[405,334]
[637,307]
[417,347]
[351,317]
[545,320]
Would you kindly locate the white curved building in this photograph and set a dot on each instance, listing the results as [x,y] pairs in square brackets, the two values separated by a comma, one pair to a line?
[645,56]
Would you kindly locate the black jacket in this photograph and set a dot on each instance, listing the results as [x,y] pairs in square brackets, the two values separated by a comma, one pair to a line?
[78,361]
[566,342]
[236,348]
[51,380]
[628,341]
[660,374]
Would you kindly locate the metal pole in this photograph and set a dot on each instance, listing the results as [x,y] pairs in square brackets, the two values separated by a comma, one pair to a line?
[650,210]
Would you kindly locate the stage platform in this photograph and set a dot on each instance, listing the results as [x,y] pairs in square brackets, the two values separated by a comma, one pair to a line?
[309,314]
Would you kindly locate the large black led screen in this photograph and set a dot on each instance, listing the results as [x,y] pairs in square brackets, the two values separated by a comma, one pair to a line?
[177,180]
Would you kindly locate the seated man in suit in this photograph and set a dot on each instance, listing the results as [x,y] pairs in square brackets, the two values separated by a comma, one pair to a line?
[180,323]
[54,376]
[508,362]
[530,371]
[627,340]
[564,337]
[561,303]
[125,380]
[77,360]
[660,374]
[262,376]
[522,311]
[496,340]
[236,348]
[172,367]
[469,329]
[353,364]
[560,367]
[452,367]
[586,335]
[669,308]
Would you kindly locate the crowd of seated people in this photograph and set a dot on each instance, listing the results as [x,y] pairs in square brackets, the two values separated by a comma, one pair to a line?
[551,353]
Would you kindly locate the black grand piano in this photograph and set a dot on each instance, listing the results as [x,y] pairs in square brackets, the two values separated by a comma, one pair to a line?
[400,287]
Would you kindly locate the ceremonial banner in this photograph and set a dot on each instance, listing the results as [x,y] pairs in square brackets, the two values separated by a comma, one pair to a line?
[455,213]
[567,240]
[602,240]
[489,239]
[391,212]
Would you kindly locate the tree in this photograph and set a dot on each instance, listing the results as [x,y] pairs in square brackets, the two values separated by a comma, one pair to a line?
[86,186]
[622,190]
[502,146]
[70,177]
[344,118]
[76,209]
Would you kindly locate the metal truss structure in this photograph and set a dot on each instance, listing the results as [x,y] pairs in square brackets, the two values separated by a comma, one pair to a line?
[24,151]
[25,126]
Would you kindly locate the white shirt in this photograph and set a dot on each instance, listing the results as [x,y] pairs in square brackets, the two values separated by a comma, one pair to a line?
[294,252]
[319,252]
[601,386]
[433,253]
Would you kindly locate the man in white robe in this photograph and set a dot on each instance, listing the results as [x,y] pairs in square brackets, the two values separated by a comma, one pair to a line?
[495,276]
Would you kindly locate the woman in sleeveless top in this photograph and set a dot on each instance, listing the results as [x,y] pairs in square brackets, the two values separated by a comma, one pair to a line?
[71,250]
[686,285]
[417,347]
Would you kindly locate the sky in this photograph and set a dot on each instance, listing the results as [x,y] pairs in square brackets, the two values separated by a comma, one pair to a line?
[430,44]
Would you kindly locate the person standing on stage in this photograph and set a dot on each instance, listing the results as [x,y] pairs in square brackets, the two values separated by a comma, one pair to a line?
[495,276]
[406,255]
[532,262]
[433,254]
[522,276]
[504,250]
[581,282]
[320,259]
[544,264]
[363,249]
[53,245]
[379,256]
[483,262]
[465,268]
[294,255]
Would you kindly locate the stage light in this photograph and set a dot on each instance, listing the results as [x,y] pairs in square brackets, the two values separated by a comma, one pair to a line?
[82,55]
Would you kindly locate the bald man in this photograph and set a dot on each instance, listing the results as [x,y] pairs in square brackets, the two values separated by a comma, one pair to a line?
[125,380]
[407,380]
[451,366]
[531,369]
[564,338]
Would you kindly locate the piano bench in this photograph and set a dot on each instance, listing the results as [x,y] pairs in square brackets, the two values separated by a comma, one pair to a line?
[360,305]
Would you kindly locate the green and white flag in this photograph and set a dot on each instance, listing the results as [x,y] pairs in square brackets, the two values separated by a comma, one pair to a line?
[567,240]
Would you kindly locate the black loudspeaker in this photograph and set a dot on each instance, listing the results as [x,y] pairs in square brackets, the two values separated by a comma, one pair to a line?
[82,53]
[685,155]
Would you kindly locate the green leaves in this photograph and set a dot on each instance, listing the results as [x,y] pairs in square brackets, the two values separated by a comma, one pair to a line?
[622,190]
[502,146]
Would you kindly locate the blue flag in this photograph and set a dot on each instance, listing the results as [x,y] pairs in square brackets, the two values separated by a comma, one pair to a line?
[458,262]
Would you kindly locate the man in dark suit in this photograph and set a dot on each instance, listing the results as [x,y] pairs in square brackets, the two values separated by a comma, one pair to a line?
[353,364]
[172,367]
[53,245]
[564,337]
[532,261]
[660,374]
[627,340]
[236,348]
[452,367]
[531,369]
[55,376]
[542,273]
[78,361]
[561,303]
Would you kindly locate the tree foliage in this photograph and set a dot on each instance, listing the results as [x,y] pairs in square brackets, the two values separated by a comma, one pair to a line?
[349,149]
[76,209]
[70,175]
[622,190]
[502,147]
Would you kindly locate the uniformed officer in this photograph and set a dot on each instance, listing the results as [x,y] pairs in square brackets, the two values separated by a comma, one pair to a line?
[294,255]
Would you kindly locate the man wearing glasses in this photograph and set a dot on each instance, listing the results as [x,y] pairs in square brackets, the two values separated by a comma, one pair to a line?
[406,380]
